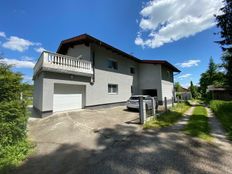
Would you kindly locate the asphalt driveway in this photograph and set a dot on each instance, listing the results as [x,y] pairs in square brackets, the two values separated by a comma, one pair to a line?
[105,141]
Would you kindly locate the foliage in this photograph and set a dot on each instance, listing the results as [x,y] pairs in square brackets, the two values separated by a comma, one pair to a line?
[225,23]
[12,155]
[223,111]
[193,90]
[198,124]
[10,84]
[169,118]
[177,87]
[211,77]
[13,119]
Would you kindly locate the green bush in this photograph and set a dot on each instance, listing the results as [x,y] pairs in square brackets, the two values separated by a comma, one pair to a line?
[13,120]
[223,111]
[13,144]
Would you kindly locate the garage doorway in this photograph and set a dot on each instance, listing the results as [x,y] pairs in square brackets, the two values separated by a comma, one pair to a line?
[68,97]
[151,92]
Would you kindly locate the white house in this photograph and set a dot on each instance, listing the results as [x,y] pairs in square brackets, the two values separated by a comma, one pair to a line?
[87,72]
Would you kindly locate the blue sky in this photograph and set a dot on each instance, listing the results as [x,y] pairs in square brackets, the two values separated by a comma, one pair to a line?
[183,36]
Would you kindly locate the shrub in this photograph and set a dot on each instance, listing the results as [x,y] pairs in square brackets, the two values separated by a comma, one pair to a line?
[13,120]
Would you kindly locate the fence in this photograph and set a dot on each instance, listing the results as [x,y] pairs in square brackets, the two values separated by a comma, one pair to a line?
[147,109]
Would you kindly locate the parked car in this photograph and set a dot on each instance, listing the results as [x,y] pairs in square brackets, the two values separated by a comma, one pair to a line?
[133,102]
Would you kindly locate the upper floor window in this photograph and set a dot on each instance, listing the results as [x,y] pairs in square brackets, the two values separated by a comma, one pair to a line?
[132,70]
[112,64]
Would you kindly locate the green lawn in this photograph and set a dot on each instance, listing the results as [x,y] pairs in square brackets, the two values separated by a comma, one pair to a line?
[223,111]
[198,124]
[168,118]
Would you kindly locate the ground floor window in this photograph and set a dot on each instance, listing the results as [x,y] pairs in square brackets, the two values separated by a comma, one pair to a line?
[112,89]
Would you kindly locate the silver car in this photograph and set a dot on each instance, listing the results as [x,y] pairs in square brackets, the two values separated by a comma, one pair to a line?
[133,102]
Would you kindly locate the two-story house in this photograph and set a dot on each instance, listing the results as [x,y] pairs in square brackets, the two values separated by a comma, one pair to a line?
[87,72]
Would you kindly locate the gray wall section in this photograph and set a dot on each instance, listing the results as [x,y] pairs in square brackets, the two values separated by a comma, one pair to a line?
[98,93]
[150,78]
[167,74]
[80,50]
[147,76]
[38,92]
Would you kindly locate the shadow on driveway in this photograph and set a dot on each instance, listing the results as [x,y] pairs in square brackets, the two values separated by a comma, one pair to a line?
[123,150]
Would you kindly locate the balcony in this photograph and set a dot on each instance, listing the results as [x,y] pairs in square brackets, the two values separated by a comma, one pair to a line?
[61,63]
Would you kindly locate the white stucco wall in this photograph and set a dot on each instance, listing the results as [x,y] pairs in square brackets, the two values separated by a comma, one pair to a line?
[98,92]
[150,78]
[147,76]
[80,50]
[167,90]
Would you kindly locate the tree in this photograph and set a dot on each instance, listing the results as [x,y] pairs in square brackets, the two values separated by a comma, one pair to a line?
[225,23]
[10,83]
[177,87]
[211,77]
[193,90]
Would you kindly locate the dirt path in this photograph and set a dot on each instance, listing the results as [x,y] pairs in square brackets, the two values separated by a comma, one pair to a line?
[217,131]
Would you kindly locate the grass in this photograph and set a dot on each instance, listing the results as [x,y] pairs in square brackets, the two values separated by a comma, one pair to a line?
[12,156]
[198,124]
[223,111]
[168,118]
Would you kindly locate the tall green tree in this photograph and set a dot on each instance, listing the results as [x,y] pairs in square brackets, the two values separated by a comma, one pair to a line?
[211,77]
[225,23]
[193,90]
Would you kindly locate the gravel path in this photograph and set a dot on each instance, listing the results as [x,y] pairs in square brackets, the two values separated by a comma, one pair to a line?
[217,131]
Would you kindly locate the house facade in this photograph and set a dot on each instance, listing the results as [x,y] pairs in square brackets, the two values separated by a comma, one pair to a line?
[87,72]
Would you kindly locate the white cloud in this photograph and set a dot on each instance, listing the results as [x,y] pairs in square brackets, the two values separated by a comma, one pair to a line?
[18,63]
[166,21]
[184,76]
[27,58]
[18,44]
[40,49]
[189,63]
[2,34]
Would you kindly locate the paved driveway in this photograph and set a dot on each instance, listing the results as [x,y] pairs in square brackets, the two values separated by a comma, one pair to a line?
[101,142]
[81,127]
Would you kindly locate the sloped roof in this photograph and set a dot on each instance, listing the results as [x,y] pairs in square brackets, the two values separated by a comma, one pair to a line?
[86,39]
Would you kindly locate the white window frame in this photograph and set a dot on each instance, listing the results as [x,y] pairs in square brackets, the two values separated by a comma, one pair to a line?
[112,60]
[111,89]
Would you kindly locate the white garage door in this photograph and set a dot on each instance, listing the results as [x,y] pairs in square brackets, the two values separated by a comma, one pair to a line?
[67,97]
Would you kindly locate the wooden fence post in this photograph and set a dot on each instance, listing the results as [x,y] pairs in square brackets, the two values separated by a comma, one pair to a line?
[165,104]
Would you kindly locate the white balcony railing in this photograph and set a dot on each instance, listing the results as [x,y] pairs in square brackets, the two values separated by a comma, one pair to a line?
[53,61]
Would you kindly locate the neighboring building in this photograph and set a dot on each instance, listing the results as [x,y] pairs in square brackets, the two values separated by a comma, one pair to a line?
[87,72]
[217,93]
[182,94]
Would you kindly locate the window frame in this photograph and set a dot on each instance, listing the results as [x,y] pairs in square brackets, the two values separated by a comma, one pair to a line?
[133,70]
[114,61]
[110,89]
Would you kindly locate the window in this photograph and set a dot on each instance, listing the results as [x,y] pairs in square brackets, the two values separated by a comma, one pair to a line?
[132,70]
[112,64]
[112,89]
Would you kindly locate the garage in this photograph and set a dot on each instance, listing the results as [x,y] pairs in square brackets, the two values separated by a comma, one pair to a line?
[68,97]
